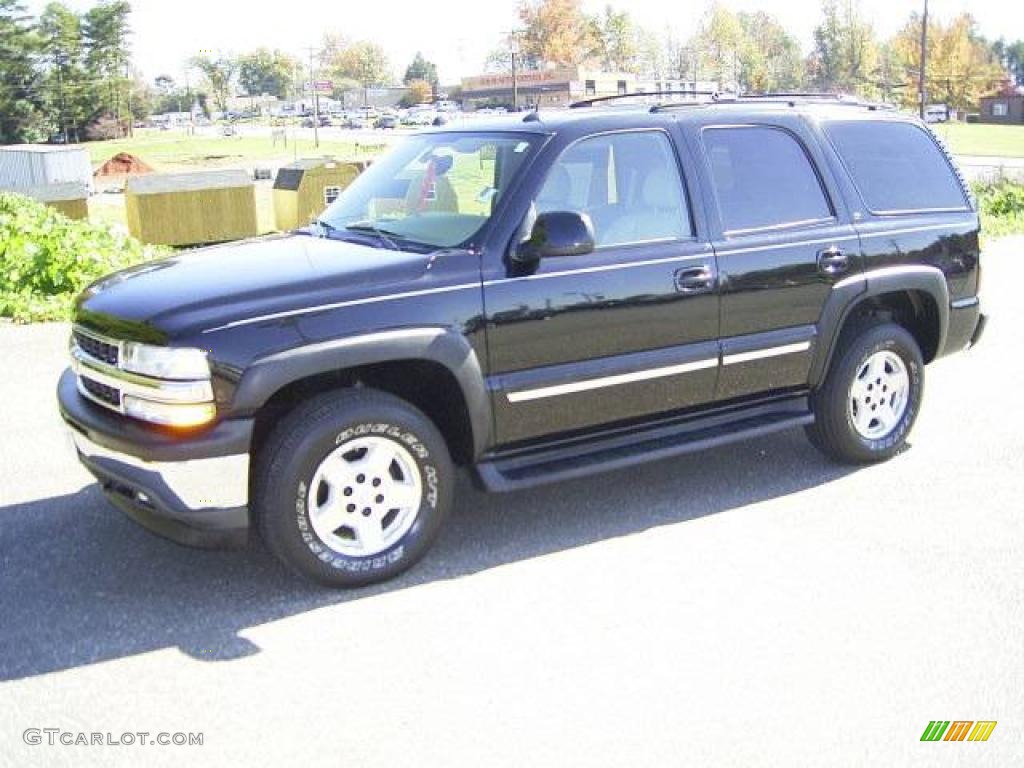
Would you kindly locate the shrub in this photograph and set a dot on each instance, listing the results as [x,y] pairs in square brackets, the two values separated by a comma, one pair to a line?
[1002,207]
[47,258]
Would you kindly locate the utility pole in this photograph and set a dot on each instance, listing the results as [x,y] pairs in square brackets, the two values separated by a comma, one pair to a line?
[921,86]
[316,99]
[513,45]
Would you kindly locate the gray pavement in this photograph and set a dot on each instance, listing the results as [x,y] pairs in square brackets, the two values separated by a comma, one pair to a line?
[753,605]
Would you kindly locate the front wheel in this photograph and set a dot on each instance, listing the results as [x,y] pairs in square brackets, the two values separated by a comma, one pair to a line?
[871,396]
[352,487]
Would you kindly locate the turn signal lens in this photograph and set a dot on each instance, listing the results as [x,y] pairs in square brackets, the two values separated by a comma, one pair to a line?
[170,414]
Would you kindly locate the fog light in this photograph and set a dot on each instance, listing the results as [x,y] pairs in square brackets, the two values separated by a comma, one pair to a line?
[170,414]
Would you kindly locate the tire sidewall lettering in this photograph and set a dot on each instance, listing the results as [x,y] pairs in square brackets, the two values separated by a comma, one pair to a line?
[431,479]
[909,415]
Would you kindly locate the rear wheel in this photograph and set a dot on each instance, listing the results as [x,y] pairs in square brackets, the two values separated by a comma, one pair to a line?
[870,398]
[352,487]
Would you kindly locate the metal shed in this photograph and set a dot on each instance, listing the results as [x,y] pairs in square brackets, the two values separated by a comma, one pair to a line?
[191,208]
[304,188]
[39,165]
[71,199]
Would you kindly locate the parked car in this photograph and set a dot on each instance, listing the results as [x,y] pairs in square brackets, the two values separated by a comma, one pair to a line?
[323,121]
[557,295]
[386,121]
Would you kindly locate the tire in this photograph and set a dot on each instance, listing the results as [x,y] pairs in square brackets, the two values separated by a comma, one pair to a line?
[859,416]
[347,518]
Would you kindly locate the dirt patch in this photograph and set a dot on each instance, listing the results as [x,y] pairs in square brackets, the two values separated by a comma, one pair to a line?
[122,164]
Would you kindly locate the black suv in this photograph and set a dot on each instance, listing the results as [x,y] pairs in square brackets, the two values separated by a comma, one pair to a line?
[534,299]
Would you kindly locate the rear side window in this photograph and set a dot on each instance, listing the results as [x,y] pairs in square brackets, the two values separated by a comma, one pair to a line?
[763,179]
[897,167]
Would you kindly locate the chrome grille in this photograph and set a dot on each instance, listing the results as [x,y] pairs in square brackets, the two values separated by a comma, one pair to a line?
[102,392]
[97,348]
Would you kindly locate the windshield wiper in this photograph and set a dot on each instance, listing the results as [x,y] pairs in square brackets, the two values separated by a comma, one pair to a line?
[382,234]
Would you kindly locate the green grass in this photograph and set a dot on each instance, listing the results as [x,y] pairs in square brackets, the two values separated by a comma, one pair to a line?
[983,139]
[175,151]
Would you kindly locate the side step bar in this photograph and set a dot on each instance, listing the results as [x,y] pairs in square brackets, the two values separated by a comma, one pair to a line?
[626,448]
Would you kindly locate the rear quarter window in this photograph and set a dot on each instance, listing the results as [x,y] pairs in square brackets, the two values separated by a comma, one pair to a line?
[897,167]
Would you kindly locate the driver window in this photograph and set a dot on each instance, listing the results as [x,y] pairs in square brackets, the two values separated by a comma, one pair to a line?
[628,183]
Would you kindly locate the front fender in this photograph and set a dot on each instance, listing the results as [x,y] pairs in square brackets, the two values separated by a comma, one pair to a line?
[438,345]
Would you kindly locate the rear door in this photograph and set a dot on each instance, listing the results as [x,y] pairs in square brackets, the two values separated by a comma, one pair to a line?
[783,237]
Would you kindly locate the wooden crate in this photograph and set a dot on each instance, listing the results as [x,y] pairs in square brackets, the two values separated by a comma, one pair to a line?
[191,208]
[303,189]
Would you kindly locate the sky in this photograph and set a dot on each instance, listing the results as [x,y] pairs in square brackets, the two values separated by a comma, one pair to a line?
[457,34]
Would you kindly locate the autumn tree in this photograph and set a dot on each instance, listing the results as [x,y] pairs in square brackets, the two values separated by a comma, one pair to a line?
[420,92]
[422,70]
[720,45]
[1011,57]
[961,66]
[264,71]
[770,57]
[845,50]
[616,41]
[361,61]
[219,74]
[556,32]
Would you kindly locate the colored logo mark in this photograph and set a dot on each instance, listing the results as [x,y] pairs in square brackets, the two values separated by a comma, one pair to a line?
[958,730]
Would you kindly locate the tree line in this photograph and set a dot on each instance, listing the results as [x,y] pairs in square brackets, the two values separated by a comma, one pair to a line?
[63,71]
[69,74]
[753,52]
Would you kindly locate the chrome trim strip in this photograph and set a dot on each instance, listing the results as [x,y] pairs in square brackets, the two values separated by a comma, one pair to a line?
[760,354]
[156,390]
[525,395]
[341,305]
[970,301]
[216,483]
[841,238]
[119,343]
[602,268]
[791,244]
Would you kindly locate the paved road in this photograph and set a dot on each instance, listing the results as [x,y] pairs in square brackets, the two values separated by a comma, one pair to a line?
[753,605]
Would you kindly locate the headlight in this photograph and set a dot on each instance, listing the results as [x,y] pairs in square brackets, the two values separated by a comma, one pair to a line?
[165,362]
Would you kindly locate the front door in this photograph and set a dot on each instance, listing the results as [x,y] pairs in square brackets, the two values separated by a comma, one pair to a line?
[625,332]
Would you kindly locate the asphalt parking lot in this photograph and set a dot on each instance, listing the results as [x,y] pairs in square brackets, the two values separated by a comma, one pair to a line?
[754,605]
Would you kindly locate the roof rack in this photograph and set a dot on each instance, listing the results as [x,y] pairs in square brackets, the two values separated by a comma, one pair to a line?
[714,95]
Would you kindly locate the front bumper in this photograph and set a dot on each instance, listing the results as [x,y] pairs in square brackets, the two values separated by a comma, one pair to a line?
[192,489]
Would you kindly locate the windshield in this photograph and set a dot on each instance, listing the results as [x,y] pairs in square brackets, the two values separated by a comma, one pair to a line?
[434,189]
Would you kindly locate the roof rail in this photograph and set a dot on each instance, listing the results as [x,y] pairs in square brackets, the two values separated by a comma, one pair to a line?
[791,99]
[713,95]
[716,97]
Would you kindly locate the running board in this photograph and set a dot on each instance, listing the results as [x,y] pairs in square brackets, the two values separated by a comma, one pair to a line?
[625,448]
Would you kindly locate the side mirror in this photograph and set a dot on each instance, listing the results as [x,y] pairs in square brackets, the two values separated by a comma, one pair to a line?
[556,233]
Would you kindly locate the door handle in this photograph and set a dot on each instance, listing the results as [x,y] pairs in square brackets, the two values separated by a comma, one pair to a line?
[833,260]
[695,279]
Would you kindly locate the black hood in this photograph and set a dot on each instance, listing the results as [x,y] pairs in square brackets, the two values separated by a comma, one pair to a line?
[212,286]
